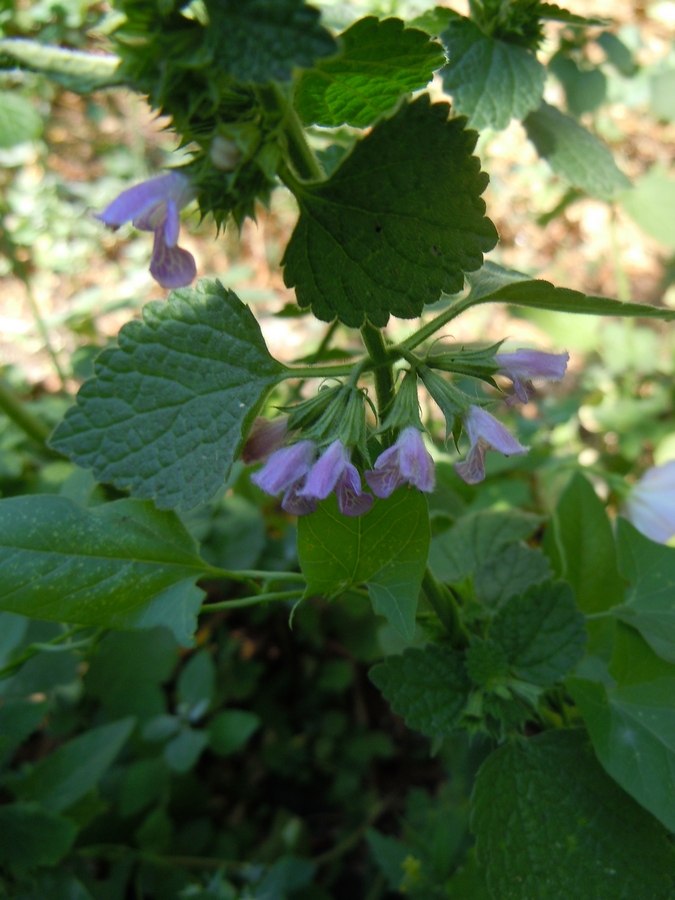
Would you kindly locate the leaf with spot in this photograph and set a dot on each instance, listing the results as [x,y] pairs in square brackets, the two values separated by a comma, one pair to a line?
[550,823]
[490,81]
[428,687]
[168,408]
[398,222]
[264,40]
[632,725]
[120,565]
[380,61]
[386,550]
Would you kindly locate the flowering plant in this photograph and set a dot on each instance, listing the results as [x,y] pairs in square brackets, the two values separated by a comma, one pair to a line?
[551,645]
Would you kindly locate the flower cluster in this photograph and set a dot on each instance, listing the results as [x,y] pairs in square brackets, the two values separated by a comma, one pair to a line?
[304,479]
[155,205]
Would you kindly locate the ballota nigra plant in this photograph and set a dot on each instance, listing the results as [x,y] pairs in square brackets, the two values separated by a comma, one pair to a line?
[563,663]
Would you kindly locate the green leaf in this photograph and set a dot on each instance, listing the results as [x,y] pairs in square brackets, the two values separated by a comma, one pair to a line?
[549,822]
[70,772]
[435,20]
[398,222]
[147,781]
[231,730]
[119,565]
[632,726]
[542,633]
[168,409]
[490,81]
[182,753]
[264,40]
[197,682]
[618,54]
[475,539]
[389,855]
[33,836]
[649,569]
[581,546]
[585,89]
[386,550]
[428,687]
[18,720]
[19,121]
[380,61]
[509,572]
[74,70]
[650,204]
[494,284]
[555,13]
[574,153]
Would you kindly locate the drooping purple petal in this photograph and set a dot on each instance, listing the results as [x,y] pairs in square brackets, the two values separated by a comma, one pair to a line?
[485,433]
[138,200]
[352,500]
[384,481]
[524,365]
[416,464]
[264,438]
[294,503]
[171,267]
[325,472]
[171,223]
[285,467]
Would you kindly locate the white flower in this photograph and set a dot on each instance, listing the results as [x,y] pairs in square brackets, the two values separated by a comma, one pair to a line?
[651,504]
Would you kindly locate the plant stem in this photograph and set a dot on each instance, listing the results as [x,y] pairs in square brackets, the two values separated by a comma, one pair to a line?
[382,370]
[455,309]
[351,839]
[27,422]
[247,574]
[446,608]
[44,332]
[253,600]
[306,164]
[318,371]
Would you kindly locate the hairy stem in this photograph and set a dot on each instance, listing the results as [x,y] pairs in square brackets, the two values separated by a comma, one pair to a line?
[429,330]
[301,154]
[253,600]
[383,372]
[26,421]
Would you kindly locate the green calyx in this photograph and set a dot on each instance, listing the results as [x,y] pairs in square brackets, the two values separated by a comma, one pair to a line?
[405,408]
[452,402]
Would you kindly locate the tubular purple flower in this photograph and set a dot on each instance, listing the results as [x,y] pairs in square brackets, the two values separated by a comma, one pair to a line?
[155,205]
[285,466]
[524,365]
[407,461]
[485,433]
[335,472]
[651,504]
[264,438]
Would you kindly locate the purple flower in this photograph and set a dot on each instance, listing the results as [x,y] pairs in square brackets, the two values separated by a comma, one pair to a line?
[335,472]
[286,470]
[407,461]
[154,205]
[524,365]
[485,433]
[651,504]
[264,438]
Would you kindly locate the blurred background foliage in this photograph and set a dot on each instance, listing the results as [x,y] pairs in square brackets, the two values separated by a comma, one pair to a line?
[267,748]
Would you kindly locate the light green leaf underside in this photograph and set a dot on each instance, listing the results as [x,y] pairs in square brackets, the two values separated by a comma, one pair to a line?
[428,687]
[574,153]
[475,539]
[490,81]
[167,410]
[380,61]
[264,40]
[549,822]
[120,565]
[541,632]
[494,284]
[398,222]
[73,69]
[649,604]
[19,121]
[386,550]
[632,723]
